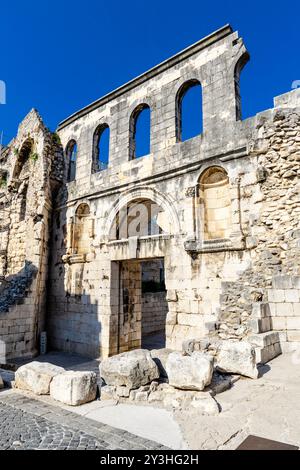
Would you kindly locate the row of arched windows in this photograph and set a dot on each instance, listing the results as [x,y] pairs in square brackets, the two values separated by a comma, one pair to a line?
[188,125]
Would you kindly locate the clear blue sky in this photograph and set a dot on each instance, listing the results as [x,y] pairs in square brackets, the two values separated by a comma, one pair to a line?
[60,55]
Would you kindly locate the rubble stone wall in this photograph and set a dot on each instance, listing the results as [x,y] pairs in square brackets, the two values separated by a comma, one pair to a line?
[25,219]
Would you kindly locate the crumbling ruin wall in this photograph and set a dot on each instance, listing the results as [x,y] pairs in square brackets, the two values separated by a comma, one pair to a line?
[25,225]
[274,229]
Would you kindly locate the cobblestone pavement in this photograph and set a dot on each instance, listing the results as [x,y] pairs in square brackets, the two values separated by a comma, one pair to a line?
[26,423]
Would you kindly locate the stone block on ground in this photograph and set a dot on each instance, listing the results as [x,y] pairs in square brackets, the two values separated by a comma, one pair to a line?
[160,357]
[74,387]
[131,369]
[192,372]
[237,357]
[36,377]
[206,404]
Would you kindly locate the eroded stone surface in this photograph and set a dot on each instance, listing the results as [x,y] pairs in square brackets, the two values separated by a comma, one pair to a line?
[74,388]
[237,357]
[36,377]
[131,369]
[192,372]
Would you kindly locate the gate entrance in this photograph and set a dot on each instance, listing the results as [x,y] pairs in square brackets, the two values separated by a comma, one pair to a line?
[142,306]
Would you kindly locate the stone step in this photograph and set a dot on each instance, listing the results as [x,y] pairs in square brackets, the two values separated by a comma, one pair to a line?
[260,310]
[266,354]
[267,346]
[264,339]
[260,325]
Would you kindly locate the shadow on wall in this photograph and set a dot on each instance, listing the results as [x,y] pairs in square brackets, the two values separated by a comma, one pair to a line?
[72,313]
[14,288]
[18,322]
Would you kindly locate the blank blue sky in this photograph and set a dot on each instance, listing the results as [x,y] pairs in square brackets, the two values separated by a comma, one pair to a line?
[60,55]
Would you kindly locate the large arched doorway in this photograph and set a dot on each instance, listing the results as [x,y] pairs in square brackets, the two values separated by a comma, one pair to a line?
[139,305]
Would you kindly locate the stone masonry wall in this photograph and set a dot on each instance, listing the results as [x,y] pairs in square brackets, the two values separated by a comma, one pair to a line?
[274,205]
[154,312]
[93,300]
[25,218]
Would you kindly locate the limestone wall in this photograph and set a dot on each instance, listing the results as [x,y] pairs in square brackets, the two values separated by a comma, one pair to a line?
[25,219]
[154,312]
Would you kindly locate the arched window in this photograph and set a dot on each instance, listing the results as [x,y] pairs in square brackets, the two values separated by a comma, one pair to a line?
[215,202]
[189,111]
[82,231]
[237,73]
[139,132]
[71,154]
[101,148]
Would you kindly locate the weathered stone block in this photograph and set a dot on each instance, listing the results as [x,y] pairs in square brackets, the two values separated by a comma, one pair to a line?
[36,377]
[74,388]
[189,372]
[131,369]
[237,357]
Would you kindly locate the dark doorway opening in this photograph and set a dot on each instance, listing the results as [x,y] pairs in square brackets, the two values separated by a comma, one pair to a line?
[154,305]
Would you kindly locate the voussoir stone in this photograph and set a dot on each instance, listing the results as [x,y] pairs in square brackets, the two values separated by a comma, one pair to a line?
[192,372]
[237,357]
[36,377]
[131,369]
[74,387]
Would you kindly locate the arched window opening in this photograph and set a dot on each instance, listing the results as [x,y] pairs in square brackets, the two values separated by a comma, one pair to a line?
[139,130]
[82,230]
[189,111]
[71,154]
[215,202]
[140,218]
[101,148]
[237,74]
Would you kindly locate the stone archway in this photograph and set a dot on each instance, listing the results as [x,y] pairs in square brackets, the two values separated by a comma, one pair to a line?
[138,194]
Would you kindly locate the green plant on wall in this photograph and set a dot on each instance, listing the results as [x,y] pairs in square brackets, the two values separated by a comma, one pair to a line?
[33,157]
[16,152]
[3,181]
[56,138]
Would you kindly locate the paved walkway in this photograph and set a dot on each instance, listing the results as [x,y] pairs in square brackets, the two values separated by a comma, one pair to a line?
[267,407]
[26,423]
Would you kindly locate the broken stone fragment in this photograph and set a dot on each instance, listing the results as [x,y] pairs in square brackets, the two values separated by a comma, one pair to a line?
[192,372]
[191,345]
[237,357]
[122,391]
[131,369]
[36,377]
[108,392]
[74,387]
[206,404]
[141,396]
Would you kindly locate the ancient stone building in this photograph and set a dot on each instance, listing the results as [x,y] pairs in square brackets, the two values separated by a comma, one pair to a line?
[197,237]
